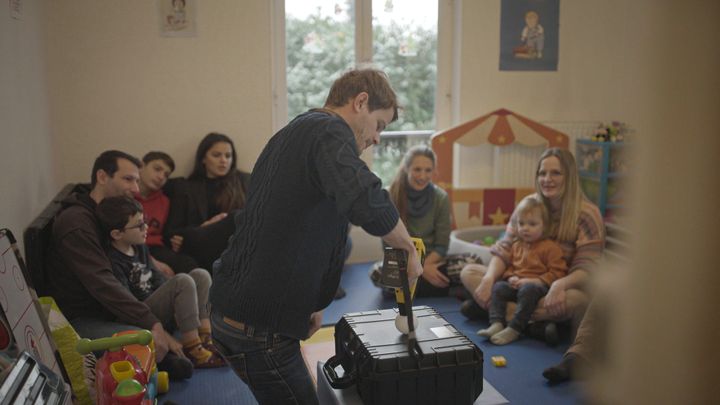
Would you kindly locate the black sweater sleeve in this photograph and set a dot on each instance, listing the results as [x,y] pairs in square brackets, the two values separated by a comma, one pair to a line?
[346,179]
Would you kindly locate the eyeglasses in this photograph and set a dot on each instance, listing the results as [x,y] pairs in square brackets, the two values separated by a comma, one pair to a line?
[142,225]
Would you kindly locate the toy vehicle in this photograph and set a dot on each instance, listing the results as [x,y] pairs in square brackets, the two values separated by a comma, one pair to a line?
[126,374]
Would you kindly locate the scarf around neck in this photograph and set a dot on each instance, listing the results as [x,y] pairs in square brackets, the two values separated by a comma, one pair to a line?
[420,202]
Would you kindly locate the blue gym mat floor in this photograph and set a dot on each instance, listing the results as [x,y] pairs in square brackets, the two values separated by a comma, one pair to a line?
[520,382]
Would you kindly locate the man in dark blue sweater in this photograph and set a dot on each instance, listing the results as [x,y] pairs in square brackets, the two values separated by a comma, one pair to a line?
[283,264]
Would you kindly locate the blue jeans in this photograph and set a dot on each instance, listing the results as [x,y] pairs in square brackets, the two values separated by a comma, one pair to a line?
[270,364]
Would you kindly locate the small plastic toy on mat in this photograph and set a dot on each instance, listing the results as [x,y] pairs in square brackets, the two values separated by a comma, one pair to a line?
[126,374]
[498,361]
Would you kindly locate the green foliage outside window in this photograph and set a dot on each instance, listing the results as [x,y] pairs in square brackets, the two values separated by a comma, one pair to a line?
[319,49]
[388,155]
[409,56]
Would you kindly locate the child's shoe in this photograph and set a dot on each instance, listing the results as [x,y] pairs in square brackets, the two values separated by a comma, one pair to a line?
[207,341]
[201,357]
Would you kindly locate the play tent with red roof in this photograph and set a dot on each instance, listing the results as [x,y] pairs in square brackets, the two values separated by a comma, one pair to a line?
[501,128]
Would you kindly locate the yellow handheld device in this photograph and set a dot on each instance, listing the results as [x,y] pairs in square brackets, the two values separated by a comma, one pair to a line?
[394,274]
[399,295]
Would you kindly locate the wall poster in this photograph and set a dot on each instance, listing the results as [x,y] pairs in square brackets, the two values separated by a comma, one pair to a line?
[529,34]
[177,18]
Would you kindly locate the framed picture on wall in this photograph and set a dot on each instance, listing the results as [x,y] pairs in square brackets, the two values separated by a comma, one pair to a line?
[15,8]
[177,18]
[529,34]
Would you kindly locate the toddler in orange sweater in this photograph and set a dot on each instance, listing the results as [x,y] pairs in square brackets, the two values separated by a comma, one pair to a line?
[534,264]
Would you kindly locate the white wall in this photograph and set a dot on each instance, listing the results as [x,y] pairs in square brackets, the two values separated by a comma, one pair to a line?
[590,69]
[587,86]
[115,83]
[27,181]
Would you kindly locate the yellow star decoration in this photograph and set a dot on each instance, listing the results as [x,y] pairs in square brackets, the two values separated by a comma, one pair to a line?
[501,139]
[499,217]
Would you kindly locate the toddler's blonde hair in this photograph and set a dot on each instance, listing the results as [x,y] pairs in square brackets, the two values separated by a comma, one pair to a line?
[527,205]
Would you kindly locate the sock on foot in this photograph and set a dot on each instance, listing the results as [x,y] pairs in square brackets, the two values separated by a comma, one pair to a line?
[505,336]
[496,327]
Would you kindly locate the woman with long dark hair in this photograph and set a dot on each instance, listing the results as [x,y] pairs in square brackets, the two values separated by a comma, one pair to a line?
[202,206]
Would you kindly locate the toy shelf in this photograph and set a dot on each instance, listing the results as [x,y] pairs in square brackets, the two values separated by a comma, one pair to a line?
[602,167]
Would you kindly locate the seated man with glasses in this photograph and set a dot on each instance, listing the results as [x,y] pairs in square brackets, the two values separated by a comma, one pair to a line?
[81,277]
[180,300]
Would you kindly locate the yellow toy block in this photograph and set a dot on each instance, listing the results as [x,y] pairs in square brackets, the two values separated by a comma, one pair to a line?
[498,361]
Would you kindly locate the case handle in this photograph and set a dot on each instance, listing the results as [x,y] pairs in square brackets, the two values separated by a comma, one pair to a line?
[336,382]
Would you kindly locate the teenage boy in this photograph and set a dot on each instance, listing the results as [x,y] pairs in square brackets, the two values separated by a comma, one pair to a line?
[157,168]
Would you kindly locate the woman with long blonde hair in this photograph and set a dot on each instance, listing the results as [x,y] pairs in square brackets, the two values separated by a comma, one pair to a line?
[575,223]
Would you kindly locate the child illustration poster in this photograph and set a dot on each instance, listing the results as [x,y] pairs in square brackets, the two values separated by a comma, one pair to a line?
[529,34]
[177,18]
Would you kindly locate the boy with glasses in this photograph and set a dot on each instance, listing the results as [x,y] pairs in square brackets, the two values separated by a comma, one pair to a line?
[181,299]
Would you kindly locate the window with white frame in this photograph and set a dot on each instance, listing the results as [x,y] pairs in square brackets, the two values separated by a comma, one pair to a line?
[322,39]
